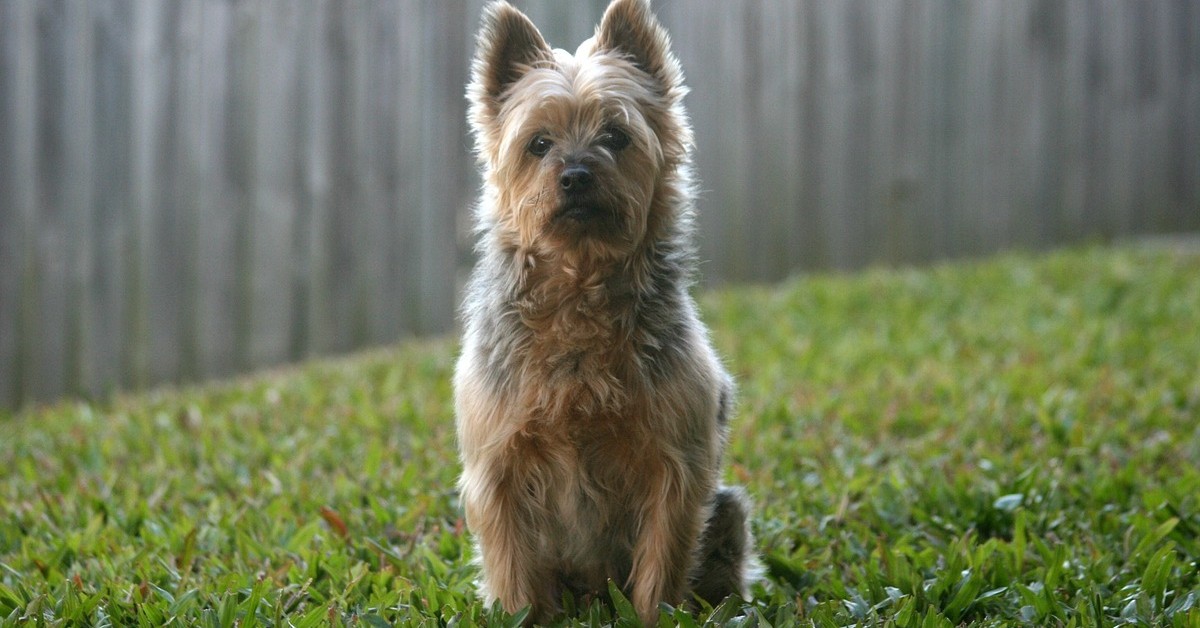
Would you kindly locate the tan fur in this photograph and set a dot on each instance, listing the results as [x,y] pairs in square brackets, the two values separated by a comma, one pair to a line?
[590,406]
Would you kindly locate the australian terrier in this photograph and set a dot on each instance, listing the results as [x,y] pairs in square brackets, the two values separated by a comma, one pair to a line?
[591,408]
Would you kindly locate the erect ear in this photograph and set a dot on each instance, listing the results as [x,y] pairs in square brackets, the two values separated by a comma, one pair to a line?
[507,47]
[630,28]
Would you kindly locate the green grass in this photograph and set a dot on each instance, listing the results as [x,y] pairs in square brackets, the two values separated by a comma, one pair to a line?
[1008,442]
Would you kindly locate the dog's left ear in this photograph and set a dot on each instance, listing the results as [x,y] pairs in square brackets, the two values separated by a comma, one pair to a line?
[629,27]
[509,45]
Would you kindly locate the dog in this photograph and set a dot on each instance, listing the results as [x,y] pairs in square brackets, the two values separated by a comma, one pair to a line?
[591,408]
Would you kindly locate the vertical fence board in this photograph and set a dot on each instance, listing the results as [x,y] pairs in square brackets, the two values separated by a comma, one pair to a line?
[843,211]
[136,265]
[216,229]
[1048,41]
[987,98]
[161,242]
[78,201]
[11,234]
[814,188]
[793,250]
[113,54]
[1180,61]
[1095,140]
[380,80]
[1122,130]
[1191,173]
[339,298]
[188,194]
[372,129]
[53,256]
[715,210]
[445,191]
[241,169]
[18,193]
[316,197]
[1190,185]
[1151,35]
[408,195]
[860,76]
[1073,214]
[756,68]
[565,24]
[273,206]
[298,277]
[168,240]
[904,192]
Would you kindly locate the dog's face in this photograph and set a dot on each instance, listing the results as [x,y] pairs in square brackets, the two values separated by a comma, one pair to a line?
[576,147]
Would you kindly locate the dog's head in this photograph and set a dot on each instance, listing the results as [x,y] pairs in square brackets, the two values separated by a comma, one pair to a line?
[576,147]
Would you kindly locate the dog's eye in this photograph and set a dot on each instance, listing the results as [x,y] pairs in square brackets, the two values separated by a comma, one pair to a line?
[539,145]
[613,139]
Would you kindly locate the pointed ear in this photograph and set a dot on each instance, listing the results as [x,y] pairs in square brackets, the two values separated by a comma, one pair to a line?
[507,47]
[630,28]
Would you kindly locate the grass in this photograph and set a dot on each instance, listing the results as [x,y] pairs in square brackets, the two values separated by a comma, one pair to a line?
[1007,442]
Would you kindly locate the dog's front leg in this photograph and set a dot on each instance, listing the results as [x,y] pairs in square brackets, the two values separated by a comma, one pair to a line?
[663,554]
[512,570]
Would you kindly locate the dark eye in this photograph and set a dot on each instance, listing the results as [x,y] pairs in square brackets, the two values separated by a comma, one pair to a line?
[613,139]
[539,145]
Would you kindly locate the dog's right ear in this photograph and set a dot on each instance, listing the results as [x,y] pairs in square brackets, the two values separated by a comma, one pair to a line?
[509,45]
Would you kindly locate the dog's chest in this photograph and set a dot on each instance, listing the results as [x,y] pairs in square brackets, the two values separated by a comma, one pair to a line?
[580,358]
[580,385]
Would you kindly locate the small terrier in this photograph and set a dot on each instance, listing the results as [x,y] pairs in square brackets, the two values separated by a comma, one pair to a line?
[591,408]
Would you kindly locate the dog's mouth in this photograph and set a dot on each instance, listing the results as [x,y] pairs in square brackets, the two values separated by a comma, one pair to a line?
[584,219]
[579,212]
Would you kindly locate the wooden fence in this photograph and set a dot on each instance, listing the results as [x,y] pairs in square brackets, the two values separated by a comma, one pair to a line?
[194,188]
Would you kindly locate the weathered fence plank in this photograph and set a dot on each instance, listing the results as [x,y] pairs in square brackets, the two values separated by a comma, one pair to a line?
[447,189]
[190,189]
[273,207]
[18,201]
[52,233]
[216,228]
[112,105]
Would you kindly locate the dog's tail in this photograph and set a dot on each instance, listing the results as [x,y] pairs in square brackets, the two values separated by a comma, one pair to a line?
[727,563]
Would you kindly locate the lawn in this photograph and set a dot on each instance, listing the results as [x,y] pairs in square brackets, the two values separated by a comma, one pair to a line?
[1007,442]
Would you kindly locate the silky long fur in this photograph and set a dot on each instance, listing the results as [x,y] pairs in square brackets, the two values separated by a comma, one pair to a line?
[591,409]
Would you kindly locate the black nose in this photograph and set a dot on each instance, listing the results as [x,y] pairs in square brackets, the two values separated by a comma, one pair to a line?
[575,179]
